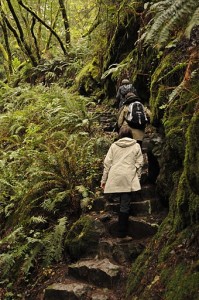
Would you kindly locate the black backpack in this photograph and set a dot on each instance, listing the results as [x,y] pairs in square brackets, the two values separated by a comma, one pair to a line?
[136,117]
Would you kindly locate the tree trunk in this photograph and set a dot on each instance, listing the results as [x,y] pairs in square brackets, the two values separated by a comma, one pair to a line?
[21,35]
[66,24]
[46,25]
[6,52]
[34,38]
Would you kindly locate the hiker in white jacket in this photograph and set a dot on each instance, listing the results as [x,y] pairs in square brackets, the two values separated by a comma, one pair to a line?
[122,172]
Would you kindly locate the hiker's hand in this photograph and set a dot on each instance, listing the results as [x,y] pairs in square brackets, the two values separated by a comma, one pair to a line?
[102,185]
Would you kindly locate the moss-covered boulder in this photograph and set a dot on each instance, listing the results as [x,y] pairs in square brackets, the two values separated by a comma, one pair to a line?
[83,237]
[88,81]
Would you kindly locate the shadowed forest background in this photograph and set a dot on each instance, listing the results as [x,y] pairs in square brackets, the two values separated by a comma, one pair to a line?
[60,65]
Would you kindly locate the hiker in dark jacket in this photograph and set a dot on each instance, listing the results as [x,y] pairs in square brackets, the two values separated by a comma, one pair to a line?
[122,172]
[125,88]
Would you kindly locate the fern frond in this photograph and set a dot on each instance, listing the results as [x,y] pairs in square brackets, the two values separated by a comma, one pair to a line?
[47,175]
[175,13]
[41,188]
[193,22]
[37,220]
[53,242]
[8,260]
[4,182]
[59,231]
[13,236]
[55,197]
[176,92]
[29,260]
[8,143]
[9,209]
[159,6]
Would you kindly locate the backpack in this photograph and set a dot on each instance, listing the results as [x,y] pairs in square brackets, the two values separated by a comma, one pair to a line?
[136,116]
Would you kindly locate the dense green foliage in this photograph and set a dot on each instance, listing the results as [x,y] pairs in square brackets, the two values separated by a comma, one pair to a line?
[50,155]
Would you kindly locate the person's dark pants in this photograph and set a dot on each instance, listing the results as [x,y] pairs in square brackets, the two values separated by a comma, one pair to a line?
[125,199]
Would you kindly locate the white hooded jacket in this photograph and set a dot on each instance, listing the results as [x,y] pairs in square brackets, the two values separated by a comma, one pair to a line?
[122,167]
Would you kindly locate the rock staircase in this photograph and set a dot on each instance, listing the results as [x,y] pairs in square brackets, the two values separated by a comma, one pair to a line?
[102,276]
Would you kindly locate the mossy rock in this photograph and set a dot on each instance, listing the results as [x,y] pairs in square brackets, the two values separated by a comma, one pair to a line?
[88,80]
[169,273]
[83,237]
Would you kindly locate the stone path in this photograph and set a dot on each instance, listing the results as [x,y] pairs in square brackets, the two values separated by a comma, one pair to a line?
[103,276]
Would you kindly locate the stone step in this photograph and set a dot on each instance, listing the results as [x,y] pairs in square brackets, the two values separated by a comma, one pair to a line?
[70,291]
[120,250]
[107,119]
[74,290]
[145,207]
[100,272]
[137,208]
[137,229]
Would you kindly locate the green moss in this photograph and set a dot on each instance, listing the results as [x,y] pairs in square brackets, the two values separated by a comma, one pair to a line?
[88,80]
[176,141]
[174,275]
[157,100]
[182,284]
[82,237]
[167,75]
[163,68]
[179,68]
[137,272]
[192,154]
[187,198]
[165,274]
[187,204]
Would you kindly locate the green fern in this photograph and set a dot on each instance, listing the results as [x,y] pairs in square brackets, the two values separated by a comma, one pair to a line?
[31,257]
[15,251]
[167,20]
[193,22]
[7,261]
[53,242]
[54,198]
[48,148]
[13,236]
[37,220]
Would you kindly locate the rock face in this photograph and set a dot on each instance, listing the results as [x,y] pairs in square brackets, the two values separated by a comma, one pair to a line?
[72,291]
[102,275]
[100,272]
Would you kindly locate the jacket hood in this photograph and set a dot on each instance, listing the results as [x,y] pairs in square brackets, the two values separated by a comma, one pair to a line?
[125,142]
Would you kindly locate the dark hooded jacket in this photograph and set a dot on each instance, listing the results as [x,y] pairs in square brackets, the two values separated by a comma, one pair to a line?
[123,91]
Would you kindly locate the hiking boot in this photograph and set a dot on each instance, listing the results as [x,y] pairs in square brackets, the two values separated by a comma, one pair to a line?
[123,225]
